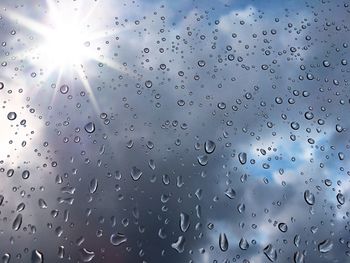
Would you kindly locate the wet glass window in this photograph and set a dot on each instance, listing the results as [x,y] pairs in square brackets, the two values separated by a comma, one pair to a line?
[192,131]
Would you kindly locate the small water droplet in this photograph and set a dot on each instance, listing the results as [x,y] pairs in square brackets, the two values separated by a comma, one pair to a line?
[12,115]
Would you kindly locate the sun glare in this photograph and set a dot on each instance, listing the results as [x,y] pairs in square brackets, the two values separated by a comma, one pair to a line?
[64,45]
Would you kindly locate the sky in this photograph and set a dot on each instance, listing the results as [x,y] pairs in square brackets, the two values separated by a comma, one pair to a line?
[178,131]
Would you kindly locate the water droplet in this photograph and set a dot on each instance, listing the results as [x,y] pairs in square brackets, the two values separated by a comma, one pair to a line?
[243,244]
[42,203]
[209,146]
[135,173]
[223,242]
[270,253]
[64,89]
[37,256]
[202,160]
[325,246]
[12,115]
[341,198]
[283,227]
[179,245]
[309,197]
[230,193]
[299,257]
[86,255]
[25,174]
[184,222]
[117,239]
[148,84]
[93,186]
[89,127]
[61,252]
[242,157]
[17,222]
[6,258]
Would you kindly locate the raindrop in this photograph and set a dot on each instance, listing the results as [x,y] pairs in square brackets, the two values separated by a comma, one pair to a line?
[86,255]
[202,160]
[93,186]
[179,245]
[223,242]
[12,115]
[309,197]
[341,198]
[270,253]
[209,146]
[242,157]
[325,246]
[64,89]
[243,244]
[283,227]
[89,127]
[42,203]
[184,222]
[230,193]
[135,173]
[37,256]
[17,222]
[117,239]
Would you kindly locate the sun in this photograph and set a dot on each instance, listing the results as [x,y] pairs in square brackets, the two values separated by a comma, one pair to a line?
[64,41]
[65,44]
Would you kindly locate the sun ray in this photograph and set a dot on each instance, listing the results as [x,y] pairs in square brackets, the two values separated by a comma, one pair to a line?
[88,88]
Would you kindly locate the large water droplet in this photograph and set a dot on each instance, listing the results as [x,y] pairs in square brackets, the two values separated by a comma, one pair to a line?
[223,242]
[299,257]
[86,255]
[117,239]
[6,258]
[341,198]
[64,89]
[209,146]
[325,246]
[270,253]
[135,173]
[202,160]
[309,197]
[283,227]
[89,127]
[184,222]
[93,186]
[17,222]
[42,203]
[37,256]
[179,245]
[12,115]
[243,244]
[230,193]
[242,157]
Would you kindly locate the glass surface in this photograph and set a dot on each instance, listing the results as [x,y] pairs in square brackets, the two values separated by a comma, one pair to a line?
[174,131]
